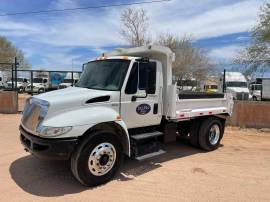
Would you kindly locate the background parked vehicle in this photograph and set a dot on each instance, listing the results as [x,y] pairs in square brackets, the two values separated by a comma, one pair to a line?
[21,84]
[69,81]
[256,91]
[40,85]
[3,79]
[235,83]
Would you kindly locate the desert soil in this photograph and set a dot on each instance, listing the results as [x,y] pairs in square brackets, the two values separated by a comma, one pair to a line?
[238,171]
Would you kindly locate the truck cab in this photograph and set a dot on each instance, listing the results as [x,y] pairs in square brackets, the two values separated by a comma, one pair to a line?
[124,104]
[236,84]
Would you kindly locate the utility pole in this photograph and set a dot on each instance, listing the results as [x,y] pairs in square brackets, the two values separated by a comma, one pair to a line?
[16,79]
[72,78]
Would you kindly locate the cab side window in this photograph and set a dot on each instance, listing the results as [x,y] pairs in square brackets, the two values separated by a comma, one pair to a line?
[147,78]
[147,75]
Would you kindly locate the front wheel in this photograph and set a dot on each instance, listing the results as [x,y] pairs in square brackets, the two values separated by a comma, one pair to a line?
[41,90]
[211,133]
[97,159]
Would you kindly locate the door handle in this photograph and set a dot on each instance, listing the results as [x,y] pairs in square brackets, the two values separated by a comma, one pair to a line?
[155,110]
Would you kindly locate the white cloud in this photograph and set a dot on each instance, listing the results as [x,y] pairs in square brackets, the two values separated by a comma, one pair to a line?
[226,53]
[218,21]
[64,4]
[60,61]
[90,29]
[100,27]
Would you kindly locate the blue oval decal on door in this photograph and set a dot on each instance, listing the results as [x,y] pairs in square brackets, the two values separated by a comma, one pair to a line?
[143,109]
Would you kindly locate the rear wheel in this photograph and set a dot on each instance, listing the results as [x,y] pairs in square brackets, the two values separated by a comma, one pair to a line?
[211,133]
[97,159]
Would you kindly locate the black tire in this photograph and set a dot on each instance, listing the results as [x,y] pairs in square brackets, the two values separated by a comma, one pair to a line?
[41,90]
[194,132]
[21,89]
[204,133]
[80,157]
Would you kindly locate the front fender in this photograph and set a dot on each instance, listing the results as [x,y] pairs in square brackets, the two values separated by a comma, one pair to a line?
[85,118]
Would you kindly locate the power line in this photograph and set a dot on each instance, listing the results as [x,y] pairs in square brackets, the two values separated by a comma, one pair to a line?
[83,8]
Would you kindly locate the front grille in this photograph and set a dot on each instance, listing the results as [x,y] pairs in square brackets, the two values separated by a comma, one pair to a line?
[242,96]
[34,112]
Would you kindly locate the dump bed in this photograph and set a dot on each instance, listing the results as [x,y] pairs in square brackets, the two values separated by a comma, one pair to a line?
[192,104]
[196,106]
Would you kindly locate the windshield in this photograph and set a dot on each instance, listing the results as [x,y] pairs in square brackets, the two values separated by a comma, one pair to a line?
[240,84]
[37,80]
[104,75]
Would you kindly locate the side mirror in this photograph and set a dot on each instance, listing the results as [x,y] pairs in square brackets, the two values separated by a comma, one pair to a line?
[45,81]
[0,78]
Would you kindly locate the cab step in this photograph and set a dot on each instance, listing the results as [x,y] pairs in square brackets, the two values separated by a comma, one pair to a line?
[147,145]
[150,155]
[144,136]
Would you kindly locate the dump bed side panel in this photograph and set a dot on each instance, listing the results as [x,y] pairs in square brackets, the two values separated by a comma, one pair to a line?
[190,108]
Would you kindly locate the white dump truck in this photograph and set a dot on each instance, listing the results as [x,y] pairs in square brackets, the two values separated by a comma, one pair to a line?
[123,105]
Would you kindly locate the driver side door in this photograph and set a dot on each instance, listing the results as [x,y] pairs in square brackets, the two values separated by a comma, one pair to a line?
[141,97]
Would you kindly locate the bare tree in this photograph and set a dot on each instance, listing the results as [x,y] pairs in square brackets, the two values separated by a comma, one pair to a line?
[134,26]
[190,62]
[8,52]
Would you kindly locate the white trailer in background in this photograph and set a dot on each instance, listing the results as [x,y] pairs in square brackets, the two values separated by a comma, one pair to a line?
[124,104]
[265,89]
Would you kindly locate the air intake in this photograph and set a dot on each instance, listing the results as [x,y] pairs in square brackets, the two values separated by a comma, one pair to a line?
[98,99]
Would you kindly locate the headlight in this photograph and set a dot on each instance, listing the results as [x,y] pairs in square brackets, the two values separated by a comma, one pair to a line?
[53,131]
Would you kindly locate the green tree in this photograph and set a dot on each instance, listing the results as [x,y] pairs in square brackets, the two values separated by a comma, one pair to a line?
[256,56]
[8,52]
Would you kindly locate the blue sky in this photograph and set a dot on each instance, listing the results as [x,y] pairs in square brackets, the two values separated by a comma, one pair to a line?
[56,40]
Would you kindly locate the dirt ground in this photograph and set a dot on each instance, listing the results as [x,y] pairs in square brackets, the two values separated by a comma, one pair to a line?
[238,171]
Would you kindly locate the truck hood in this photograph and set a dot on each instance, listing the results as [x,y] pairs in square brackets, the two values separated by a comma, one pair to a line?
[70,98]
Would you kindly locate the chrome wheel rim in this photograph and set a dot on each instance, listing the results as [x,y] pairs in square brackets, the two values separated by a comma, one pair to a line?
[214,134]
[102,159]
